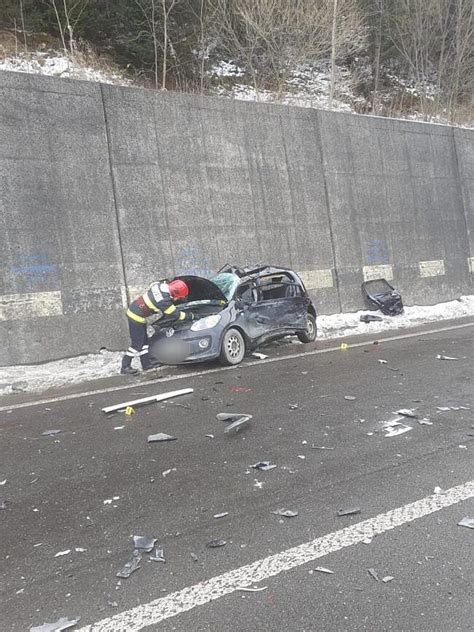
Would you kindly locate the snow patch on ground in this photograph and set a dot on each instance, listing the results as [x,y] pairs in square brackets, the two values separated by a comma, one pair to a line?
[57,65]
[37,378]
[307,86]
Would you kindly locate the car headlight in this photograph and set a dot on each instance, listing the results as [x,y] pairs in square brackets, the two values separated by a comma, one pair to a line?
[206,323]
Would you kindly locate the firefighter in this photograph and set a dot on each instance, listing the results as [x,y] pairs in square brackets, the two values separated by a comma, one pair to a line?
[158,301]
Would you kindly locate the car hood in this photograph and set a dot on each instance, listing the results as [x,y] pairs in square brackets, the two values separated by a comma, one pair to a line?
[201,289]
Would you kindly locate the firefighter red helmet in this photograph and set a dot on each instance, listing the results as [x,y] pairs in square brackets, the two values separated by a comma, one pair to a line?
[178,289]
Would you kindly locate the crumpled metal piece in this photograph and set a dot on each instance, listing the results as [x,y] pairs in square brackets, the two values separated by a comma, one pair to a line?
[263,466]
[466,522]
[131,566]
[215,544]
[286,513]
[61,624]
[158,555]
[349,511]
[239,420]
[160,436]
[144,543]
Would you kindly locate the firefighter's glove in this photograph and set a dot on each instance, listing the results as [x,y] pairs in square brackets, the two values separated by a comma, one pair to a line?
[190,316]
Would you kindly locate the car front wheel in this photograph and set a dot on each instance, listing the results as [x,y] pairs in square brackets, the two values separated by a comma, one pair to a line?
[233,348]
[310,334]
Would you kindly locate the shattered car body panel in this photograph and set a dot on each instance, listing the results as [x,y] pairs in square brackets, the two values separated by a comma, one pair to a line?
[380,294]
[262,303]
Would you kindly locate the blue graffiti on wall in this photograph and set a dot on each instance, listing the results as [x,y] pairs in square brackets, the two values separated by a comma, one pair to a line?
[35,272]
[192,261]
[377,252]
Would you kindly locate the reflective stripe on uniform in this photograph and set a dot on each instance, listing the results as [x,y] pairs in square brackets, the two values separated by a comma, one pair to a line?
[150,304]
[135,317]
[131,352]
[182,316]
[169,310]
[143,351]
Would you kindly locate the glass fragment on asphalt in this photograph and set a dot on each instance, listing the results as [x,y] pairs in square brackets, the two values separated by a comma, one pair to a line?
[350,398]
[251,588]
[373,573]
[425,421]
[349,511]
[144,542]
[387,578]
[158,555]
[286,513]
[61,553]
[466,522]
[221,515]
[260,356]
[322,569]
[160,436]
[131,566]
[445,357]
[50,433]
[61,624]
[293,406]
[263,466]
[215,544]
[237,425]
[320,447]
[406,412]
[230,416]
[194,557]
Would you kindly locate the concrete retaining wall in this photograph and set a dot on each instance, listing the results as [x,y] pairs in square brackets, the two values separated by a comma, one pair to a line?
[103,189]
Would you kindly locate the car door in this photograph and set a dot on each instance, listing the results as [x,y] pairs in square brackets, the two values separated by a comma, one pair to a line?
[279,307]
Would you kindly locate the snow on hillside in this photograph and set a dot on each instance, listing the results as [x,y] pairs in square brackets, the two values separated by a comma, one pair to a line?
[38,378]
[56,64]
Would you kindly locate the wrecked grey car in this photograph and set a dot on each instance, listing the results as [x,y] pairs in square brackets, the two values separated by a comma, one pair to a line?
[235,312]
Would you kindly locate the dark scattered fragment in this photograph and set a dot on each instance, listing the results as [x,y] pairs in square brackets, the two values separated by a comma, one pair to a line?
[3,504]
[368,318]
[286,513]
[131,566]
[349,511]
[263,466]
[158,555]
[215,544]
[373,573]
[194,557]
[144,542]
[61,624]
[293,406]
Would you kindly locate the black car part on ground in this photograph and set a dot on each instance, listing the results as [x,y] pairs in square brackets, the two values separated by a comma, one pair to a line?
[380,294]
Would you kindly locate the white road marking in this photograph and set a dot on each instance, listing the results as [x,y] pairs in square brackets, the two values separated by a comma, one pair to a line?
[209,590]
[170,378]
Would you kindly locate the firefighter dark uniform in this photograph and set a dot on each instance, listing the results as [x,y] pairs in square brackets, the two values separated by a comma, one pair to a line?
[158,302]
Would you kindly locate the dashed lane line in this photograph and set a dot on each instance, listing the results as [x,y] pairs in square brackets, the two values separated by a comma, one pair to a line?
[171,378]
[207,591]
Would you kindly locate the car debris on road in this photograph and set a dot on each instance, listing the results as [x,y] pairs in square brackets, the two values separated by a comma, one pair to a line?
[286,513]
[131,566]
[237,421]
[61,624]
[160,436]
[158,555]
[445,357]
[147,400]
[349,511]
[216,544]
[144,543]
[466,522]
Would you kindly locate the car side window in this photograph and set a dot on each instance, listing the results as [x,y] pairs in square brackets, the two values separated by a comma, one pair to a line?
[276,287]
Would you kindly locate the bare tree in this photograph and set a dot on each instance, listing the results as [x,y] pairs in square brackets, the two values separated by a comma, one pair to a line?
[72,12]
[167,8]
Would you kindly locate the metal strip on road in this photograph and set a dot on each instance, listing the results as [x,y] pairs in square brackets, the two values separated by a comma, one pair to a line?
[170,378]
[192,596]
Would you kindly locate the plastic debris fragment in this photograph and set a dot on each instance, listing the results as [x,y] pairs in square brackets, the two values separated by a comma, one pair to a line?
[444,357]
[147,400]
[129,411]
[158,555]
[143,542]
[321,447]
[373,573]
[350,398]
[166,472]
[344,346]
[50,433]
[387,578]
[394,427]
[443,409]
[209,436]
[286,513]
[367,318]
[251,588]
[406,412]
[221,515]
[61,624]
[238,420]
[349,511]
[259,356]
[425,421]
[293,406]
[438,490]
[322,569]
[131,566]
[263,466]
[61,553]
[160,436]
[194,557]
[215,544]
[3,504]
[466,522]
[383,362]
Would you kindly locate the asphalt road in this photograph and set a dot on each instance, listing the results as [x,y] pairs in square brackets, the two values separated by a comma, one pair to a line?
[57,486]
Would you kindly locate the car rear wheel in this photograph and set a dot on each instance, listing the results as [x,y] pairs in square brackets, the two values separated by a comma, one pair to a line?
[310,334]
[233,348]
